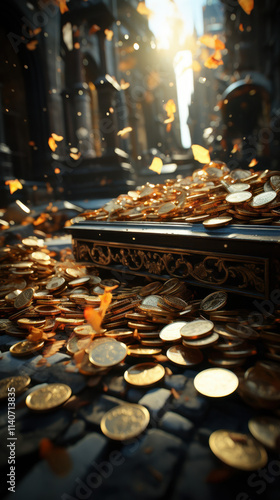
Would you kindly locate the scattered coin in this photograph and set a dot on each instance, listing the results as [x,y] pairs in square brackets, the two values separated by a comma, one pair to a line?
[25,348]
[183,356]
[18,383]
[144,374]
[216,382]
[24,298]
[197,328]
[125,421]
[214,222]
[214,301]
[107,354]
[266,430]
[48,397]
[171,333]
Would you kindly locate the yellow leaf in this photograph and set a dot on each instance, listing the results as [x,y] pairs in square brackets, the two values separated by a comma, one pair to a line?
[169,120]
[124,85]
[253,163]
[200,154]
[236,147]
[57,138]
[246,5]
[124,131]
[196,66]
[109,34]
[212,41]
[241,27]
[14,185]
[52,144]
[94,29]
[143,10]
[156,165]
[170,108]
[62,6]
[32,45]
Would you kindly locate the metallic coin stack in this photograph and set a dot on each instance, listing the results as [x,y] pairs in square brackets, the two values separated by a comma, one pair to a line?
[214,196]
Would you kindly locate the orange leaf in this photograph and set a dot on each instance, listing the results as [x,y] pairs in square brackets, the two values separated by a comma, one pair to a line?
[156,165]
[52,144]
[57,170]
[170,108]
[105,301]
[14,185]
[53,348]
[36,31]
[62,6]
[200,154]
[57,457]
[212,41]
[169,120]
[109,34]
[32,45]
[31,143]
[94,318]
[75,156]
[79,356]
[94,29]
[168,127]
[57,138]
[246,5]
[212,63]
[253,163]
[241,27]
[236,147]
[196,66]
[143,10]
[35,334]
[124,131]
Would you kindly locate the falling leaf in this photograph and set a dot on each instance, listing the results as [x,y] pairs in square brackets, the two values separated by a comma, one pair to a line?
[200,154]
[14,185]
[124,85]
[253,163]
[168,127]
[246,5]
[57,457]
[52,144]
[31,143]
[78,357]
[212,41]
[41,219]
[109,34]
[236,147]
[94,29]
[57,138]
[212,62]
[53,348]
[241,27]
[75,156]
[35,334]
[77,45]
[156,165]
[57,170]
[153,80]
[32,45]
[143,10]
[95,316]
[124,131]
[196,66]
[169,120]
[62,6]
[170,108]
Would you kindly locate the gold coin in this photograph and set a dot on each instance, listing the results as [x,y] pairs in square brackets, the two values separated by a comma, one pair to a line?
[263,199]
[25,347]
[266,430]
[84,330]
[125,421]
[76,344]
[40,256]
[144,374]
[175,302]
[119,333]
[219,221]
[138,352]
[79,281]
[10,297]
[48,397]
[240,197]
[166,208]
[150,288]
[183,356]
[213,301]
[202,343]
[55,283]
[27,322]
[216,382]
[197,328]
[238,187]
[238,450]
[24,298]
[275,182]
[171,333]
[107,354]
[33,242]
[69,321]
[19,383]
[47,310]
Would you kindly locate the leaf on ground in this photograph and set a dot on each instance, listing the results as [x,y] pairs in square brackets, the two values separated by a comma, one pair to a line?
[53,348]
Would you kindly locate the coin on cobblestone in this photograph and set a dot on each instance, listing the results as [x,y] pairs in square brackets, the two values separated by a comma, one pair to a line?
[24,298]
[219,221]
[213,301]
[202,343]
[76,344]
[125,421]
[25,347]
[181,355]
[240,197]
[18,383]
[144,374]
[48,397]
[266,430]
[238,450]
[263,199]
[197,328]
[138,352]
[107,354]
[171,333]
[216,382]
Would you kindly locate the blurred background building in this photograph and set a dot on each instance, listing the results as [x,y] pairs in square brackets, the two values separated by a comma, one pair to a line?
[104,76]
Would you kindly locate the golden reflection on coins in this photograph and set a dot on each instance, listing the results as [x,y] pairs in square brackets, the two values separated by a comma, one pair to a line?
[25,348]
[183,356]
[125,421]
[19,383]
[266,430]
[48,397]
[238,450]
[213,301]
[216,382]
[144,374]
[108,353]
[196,329]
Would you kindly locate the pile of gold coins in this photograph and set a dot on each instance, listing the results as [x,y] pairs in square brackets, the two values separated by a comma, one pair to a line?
[145,325]
[214,196]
